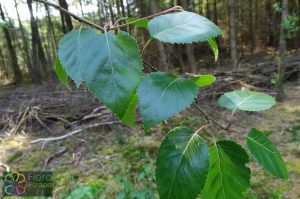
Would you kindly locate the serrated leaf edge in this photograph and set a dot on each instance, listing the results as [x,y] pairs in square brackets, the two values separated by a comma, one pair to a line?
[195,133]
[274,154]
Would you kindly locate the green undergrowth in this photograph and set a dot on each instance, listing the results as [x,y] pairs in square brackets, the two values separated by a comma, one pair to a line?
[121,163]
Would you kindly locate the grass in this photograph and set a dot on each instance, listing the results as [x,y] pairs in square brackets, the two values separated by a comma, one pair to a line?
[121,162]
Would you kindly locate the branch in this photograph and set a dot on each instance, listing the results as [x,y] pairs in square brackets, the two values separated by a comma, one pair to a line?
[82,20]
[45,140]
[174,9]
[211,119]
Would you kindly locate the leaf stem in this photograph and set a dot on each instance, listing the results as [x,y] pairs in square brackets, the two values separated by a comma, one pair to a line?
[73,15]
[202,127]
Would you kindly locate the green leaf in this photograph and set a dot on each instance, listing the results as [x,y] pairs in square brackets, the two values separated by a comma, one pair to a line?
[246,101]
[182,164]
[84,192]
[161,95]
[204,80]
[141,23]
[129,117]
[228,176]
[61,74]
[214,46]
[266,154]
[68,52]
[111,66]
[183,27]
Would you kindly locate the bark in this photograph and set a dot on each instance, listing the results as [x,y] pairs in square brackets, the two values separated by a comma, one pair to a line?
[129,15]
[200,7]
[207,10]
[50,24]
[270,25]
[189,47]
[34,58]
[282,53]
[118,8]
[161,49]
[12,53]
[216,22]
[63,24]
[25,44]
[67,18]
[251,35]
[42,57]
[122,8]
[110,7]
[3,65]
[81,9]
[101,13]
[232,34]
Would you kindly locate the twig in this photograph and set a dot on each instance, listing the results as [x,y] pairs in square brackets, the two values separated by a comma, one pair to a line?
[14,131]
[174,9]
[146,45]
[45,140]
[71,14]
[150,65]
[54,156]
[118,21]
[209,118]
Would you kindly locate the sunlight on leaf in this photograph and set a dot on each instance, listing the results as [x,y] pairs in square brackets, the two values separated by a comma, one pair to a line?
[182,164]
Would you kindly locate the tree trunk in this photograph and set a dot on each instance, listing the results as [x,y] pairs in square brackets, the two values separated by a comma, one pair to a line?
[189,47]
[251,35]
[200,7]
[232,34]
[101,13]
[123,8]
[66,17]
[41,53]
[207,10]
[118,8]
[81,9]
[282,53]
[25,44]
[50,24]
[129,15]
[13,56]
[3,65]
[161,49]
[112,15]
[34,58]
[216,22]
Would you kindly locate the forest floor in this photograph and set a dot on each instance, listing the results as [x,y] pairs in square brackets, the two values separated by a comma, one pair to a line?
[120,160]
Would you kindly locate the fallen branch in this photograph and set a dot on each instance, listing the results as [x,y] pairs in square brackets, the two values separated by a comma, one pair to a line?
[54,156]
[45,140]
[14,131]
